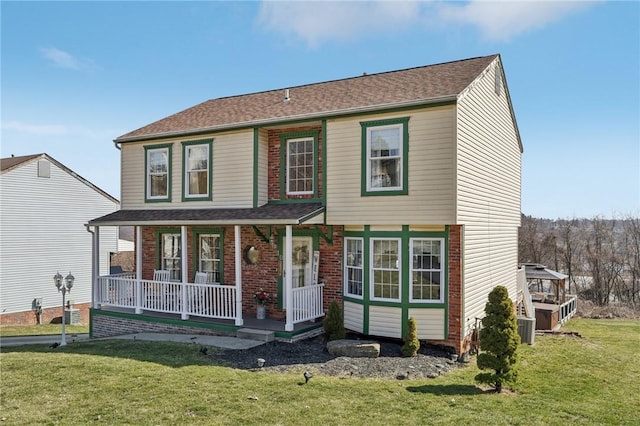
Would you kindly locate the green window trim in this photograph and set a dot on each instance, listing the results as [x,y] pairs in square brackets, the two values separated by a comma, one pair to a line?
[159,233]
[404,160]
[196,249]
[185,181]
[147,179]
[284,138]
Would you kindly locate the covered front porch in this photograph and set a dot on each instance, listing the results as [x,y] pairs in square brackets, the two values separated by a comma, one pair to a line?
[187,297]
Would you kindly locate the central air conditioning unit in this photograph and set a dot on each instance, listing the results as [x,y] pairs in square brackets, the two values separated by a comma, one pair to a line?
[527,329]
[72,316]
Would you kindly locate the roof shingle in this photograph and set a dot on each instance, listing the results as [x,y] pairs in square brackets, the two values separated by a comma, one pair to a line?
[384,90]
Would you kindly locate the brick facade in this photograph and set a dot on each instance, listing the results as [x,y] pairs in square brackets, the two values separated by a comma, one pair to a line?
[455,338]
[49,316]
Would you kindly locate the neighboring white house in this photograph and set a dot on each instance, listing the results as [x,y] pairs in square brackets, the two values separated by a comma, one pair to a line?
[44,207]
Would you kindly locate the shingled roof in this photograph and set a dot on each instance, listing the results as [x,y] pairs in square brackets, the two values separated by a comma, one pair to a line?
[413,86]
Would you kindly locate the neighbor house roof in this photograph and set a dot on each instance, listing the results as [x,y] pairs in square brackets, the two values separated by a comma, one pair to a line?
[394,89]
[270,214]
[534,271]
[9,163]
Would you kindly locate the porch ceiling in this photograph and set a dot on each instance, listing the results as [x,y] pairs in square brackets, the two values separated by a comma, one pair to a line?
[269,214]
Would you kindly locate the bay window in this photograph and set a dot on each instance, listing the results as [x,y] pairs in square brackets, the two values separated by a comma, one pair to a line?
[427,269]
[353,267]
[385,268]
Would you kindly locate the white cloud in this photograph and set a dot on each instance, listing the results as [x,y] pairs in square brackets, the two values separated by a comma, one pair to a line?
[62,59]
[318,21]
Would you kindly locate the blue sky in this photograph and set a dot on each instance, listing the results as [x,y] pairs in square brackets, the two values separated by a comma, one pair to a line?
[76,75]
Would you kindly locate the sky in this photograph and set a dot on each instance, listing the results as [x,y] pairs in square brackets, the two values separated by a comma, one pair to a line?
[75,75]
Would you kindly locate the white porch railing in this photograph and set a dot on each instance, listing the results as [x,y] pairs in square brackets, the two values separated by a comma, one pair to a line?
[568,309]
[307,303]
[205,300]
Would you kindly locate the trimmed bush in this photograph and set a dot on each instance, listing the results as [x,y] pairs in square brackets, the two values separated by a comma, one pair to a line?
[499,341]
[411,342]
[334,323]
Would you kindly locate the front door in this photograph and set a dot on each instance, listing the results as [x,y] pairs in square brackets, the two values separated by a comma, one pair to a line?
[302,261]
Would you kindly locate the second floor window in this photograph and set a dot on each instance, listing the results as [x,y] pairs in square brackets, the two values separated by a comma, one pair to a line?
[197,170]
[300,166]
[158,173]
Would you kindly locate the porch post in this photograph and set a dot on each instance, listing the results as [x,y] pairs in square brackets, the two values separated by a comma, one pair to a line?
[185,272]
[238,253]
[138,269]
[95,267]
[288,279]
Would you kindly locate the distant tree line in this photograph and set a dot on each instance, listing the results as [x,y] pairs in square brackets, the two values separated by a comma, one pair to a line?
[600,256]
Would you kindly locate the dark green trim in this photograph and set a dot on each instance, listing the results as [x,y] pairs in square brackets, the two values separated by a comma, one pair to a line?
[365,125]
[323,196]
[169,321]
[405,235]
[266,238]
[284,123]
[186,144]
[158,234]
[148,148]
[296,200]
[256,164]
[329,238]
[284,138]
[195,257]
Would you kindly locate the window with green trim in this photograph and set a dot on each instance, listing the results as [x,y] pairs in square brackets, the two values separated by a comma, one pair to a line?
[385,160]
[210,256]
[171,254]
[353,267]
[158,173]
[427,269]
[300,166]
[196,156]
[385,269]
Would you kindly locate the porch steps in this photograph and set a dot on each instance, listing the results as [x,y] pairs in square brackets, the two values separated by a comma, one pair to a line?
[253,334]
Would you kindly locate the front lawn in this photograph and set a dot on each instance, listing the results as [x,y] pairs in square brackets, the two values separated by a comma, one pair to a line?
[563,380]
[39,330]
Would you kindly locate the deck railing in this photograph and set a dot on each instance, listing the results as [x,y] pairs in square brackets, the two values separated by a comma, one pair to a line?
[568,309]
[307,303]
[205,300]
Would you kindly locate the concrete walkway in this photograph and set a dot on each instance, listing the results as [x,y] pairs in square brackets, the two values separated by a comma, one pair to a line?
[225,342]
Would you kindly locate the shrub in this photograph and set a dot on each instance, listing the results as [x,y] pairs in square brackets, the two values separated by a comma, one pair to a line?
[498,341]
[411,342]
[334,323]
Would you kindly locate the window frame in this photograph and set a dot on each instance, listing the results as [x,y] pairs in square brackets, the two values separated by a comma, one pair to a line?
[441,270]
[160,234]
[288,166]
[148,150]
[348,268]
[402,124]
[284,161]
[186,146]
[198,259]
[372,269]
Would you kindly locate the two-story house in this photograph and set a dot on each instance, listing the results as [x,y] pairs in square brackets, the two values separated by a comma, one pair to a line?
[396,194]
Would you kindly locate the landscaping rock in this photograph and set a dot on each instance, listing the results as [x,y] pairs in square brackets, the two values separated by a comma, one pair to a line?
[354,348]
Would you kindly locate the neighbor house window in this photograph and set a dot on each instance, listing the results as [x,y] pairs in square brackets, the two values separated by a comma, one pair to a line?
[427,270]
[385,268]
[170,254]
[385,157]
[158,173]
[209,256]
[353,276]
[196,156]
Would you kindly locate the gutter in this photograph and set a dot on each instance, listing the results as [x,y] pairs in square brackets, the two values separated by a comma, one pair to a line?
[277,120]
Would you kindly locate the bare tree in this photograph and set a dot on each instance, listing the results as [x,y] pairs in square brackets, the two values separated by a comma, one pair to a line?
[602,259]
[631,226]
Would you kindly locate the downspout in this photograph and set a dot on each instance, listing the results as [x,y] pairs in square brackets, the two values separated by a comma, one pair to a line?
[94,267]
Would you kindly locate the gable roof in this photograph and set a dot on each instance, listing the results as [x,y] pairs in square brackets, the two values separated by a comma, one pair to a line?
[10,163]
[394,89]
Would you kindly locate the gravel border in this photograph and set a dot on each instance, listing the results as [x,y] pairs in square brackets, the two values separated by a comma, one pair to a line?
[312,356]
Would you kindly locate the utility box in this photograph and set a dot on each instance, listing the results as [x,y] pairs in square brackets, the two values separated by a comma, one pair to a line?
[527,329]
[72,316]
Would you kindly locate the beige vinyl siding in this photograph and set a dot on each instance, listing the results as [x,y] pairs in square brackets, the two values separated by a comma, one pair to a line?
[385,321]
[232,172]
[429,323]
[430,175]
[42,228]
[354,317]
[488,192]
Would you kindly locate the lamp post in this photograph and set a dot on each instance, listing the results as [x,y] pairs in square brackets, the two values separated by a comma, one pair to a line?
[63,287]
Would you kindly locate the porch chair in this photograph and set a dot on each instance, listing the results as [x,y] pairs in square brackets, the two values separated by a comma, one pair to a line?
[201,278]
[161,275]
[200,294]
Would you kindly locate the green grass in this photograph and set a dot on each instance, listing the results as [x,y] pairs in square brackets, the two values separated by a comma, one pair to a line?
[563,380]
[37,330]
